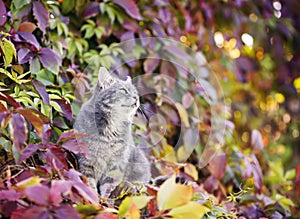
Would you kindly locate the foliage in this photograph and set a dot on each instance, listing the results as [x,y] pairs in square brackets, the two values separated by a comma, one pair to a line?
[47,47]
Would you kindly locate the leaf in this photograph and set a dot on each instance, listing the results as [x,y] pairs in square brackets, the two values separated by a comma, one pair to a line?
[9,100]
[9,51]
[27,27]
[35,66]
[252,167]
[183,115]
[24,55]
[171,195]
[77,147]
[66,211]
[58,190]
[20,3]
[2,13]
[10,195]
[191,170]
[290,174]
[139,201]
[67,6]
[41,15]
[28,151]
[256,141]
[34,119]
[133,212]
[151,64]
[41,89]
[217,166]
[29,38]
[2,108]
[187,100]
[18,130]
[39,212]
[106,216]
[56,158]
[70,134]
[50,60]
[91,10]
[130,7]
[39,194]
[35,180]
[190,210]
[66,108]
[86,192]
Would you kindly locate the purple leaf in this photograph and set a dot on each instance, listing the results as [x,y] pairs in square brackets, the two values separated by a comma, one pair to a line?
[187,100]
[130,7]
[41,89]
[256,141]
[70,134]
[86,192]
[217,166]
[41,15]
[252,168]
[66,108]
[35,212]
[29,150]
[2,13]
[29,38]
[10,195]
[59,188]
[8,208]
[56,158]
[50,60]
[24,55]
[151,63]
[91,10]
[77,147]
[66,211]
[39,194]
[18,130]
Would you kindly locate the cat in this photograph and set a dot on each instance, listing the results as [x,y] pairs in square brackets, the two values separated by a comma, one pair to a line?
[107,119]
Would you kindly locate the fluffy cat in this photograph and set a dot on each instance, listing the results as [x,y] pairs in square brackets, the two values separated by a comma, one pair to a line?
[107,119]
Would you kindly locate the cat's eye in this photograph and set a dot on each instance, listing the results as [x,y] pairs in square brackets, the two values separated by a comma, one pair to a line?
[123,90]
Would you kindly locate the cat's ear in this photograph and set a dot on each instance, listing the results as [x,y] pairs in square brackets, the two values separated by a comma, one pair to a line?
[105,79]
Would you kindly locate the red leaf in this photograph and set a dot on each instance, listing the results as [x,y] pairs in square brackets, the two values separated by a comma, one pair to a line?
[39,194]
[18,130]
[10,195]
[66,108]
[217,166]
[130,7]
[56,158]
[9,100]
[41,15]
[4,119]
[66,211]
[34,119]
[59,188]
[77,147]
[41,89]
[2,108]
[29,150]
[2,13]
[27,27]
[70,134]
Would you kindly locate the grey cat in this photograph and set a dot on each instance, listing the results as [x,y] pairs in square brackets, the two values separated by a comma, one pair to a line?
[107,119]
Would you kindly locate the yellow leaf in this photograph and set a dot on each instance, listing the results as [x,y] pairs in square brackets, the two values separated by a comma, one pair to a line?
[191,210]
[35,180]
[139,201]
[171,195]
[183,114]
[191,170]
[134,212]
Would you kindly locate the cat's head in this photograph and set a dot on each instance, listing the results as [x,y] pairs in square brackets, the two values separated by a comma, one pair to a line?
[118,95]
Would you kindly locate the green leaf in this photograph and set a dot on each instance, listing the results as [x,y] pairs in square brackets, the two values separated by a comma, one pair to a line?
[139,201]
[20,3]
[190,210]
[171,195]
[9,51]
[290,174]
[67,6]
